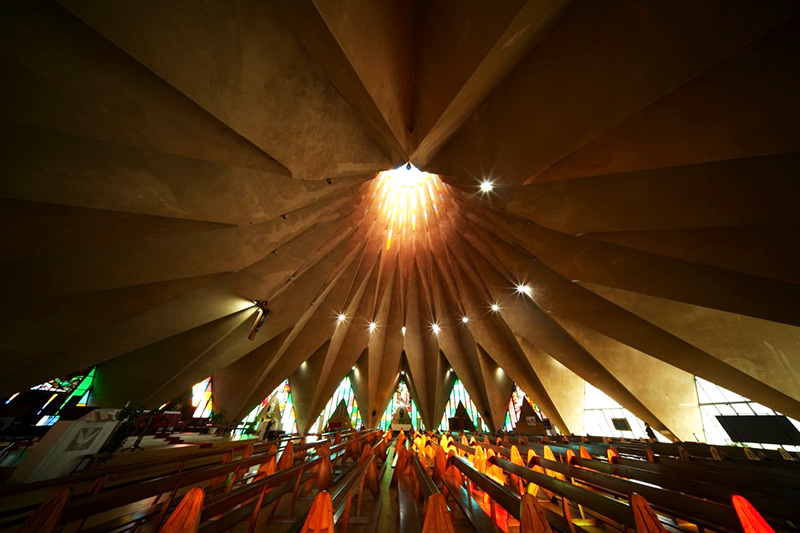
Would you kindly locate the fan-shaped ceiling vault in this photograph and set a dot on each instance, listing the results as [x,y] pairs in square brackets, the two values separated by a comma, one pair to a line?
[612,199]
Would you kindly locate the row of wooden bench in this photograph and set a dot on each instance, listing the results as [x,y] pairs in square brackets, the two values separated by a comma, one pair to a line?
[526,479]
[217,496]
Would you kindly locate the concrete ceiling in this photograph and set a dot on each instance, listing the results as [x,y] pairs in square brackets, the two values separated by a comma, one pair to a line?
[166,164]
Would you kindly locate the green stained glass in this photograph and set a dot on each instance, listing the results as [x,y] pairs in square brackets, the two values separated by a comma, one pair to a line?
[401,399]
[288,424]
[458,395]
[343,392]
[82,391]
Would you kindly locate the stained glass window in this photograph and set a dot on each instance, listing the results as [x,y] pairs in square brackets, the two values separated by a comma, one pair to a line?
[80,386]
[715,400]
[344,392]
[458,395]
[599,412]
[518,396]
[83,390]
[202,399]
[288,424]
[60,384]
[402,399]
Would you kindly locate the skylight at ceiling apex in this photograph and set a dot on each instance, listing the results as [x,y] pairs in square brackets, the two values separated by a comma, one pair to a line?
[408,200]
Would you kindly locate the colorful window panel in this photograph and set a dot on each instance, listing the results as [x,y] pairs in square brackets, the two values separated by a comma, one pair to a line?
[401,398]
[202,399]
[286,405]
[82,391]
[599,409]
[715,400]
[343,392]
[60,384]
[458,395]
[518,396]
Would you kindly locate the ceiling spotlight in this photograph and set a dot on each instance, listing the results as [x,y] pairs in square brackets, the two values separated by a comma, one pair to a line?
[486,186]
[464,319]
[435,327]
[404,331]
[372,326]
[523,289]
[341,318]
[495,308]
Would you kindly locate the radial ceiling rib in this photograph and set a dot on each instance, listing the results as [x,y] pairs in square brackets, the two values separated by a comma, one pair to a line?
[452,337]
[498,389]
[228,295]
[269,65]
[236,382]
[168,258]
[529,321]
[727,112]
[413,390]
[741,192]
[76,81]
[359,378]
[37,329]
[769,250]
[32,229]
[757,347]
[310,331]
[287,309]
[494,336]
[528,25]
[60,168]
[376,356]
[430,348]
[444,379]
[304,382]
[328,42]
[673,401]
[566,388]
[527,124]
[385,359]
[658,275]
[348,340]
[182,360]
[619,202]
[556,294]
[191,310]
[414,348]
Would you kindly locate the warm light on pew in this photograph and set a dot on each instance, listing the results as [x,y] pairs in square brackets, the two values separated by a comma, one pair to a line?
[752,521]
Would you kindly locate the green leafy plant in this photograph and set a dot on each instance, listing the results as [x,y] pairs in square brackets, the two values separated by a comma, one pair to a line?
[127,417]
[218,417]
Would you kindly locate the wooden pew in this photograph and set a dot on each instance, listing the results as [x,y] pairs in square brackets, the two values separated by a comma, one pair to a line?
[780,502]
[87,505]
[605,477]
[344,487]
